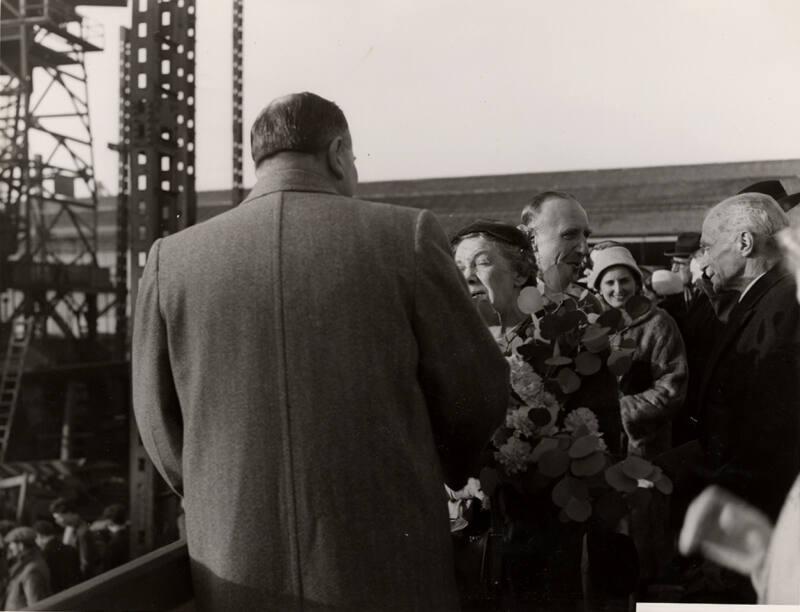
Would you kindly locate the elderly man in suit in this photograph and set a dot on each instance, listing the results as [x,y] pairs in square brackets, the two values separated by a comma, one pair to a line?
[749,396]
[308,369]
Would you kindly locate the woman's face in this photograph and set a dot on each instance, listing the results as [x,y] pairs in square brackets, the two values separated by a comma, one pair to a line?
[617,286]
[490,276]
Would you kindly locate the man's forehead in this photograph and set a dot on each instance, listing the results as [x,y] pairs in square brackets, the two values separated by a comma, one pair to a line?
[560,211]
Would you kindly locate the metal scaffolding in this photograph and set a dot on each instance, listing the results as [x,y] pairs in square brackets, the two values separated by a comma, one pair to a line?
[238,189]
[48,194]
[162,188]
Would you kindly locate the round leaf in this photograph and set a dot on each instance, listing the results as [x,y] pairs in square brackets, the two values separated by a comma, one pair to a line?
[588,466]
[579,510]
[636,467]
[568,381]
[539,416]
[530,300]
[587,363]
[664,484]
[545,444]
[577,487]
[617,479]
[548,327]
[583,447]
[592,317]
[553,463]
[571,320]
[564,442]
[595,339]
[637,306]
[561,493]
[611,318]
[489,480]
[619,362]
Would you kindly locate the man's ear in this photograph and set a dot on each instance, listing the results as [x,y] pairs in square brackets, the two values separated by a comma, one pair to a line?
[336,152]
[745,241]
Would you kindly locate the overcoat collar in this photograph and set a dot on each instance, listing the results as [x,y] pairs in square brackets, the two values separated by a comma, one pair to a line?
[290,180]
[739,316]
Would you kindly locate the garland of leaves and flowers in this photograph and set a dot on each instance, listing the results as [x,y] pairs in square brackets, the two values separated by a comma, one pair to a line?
[541,444]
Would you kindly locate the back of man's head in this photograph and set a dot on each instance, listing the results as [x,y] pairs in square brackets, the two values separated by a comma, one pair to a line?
[756,213]
[300,123]
[534,207]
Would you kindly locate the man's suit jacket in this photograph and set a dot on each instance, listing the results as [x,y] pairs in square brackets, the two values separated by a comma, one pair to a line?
[308,370]
[750,395]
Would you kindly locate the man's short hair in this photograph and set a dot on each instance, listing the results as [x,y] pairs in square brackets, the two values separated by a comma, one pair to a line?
[754,212]
[302,122]
[44,528]
[62,505]
[534,207]
[6,526]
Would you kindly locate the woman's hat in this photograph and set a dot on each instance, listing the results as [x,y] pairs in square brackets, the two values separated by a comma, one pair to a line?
[504,232]
[604,259]
[686,245]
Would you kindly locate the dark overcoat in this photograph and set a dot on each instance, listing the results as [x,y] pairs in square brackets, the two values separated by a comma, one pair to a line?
[308,370]
[750,396]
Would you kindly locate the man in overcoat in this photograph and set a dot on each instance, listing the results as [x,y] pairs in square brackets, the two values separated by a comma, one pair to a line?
[749,397]
[308,370]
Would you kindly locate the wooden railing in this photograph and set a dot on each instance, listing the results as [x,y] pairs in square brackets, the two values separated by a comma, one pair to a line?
[159,580]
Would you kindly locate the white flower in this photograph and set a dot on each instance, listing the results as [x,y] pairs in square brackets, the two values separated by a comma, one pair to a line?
[579,417]
[515,454]
[530,388]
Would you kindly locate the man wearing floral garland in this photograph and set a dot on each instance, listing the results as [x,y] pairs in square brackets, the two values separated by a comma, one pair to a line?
[308,369]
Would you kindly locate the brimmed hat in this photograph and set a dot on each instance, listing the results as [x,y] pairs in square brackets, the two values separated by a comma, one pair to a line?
[771,187]
[789,202]
[504,232]
[21,534]
[604,259]
[686,245]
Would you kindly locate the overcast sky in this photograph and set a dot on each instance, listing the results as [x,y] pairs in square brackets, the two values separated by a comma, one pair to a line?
[452,88]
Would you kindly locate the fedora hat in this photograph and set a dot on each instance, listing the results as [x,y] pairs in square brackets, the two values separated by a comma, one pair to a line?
[771,187]
[788,202]
[686,245]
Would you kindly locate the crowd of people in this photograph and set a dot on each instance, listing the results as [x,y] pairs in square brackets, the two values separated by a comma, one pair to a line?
[308,369]
[58,552]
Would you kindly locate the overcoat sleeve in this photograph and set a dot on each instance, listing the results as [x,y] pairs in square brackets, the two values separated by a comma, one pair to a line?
[461,371]
[653,407]
[36,587]
[155,400]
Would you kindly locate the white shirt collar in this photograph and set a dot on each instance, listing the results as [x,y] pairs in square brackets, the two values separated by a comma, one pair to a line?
[752,282]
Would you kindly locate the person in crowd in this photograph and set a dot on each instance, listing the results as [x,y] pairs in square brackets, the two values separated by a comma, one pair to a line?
[63,561]
[117,548]
[681,258]
[76,534]
[654,387]
[558,227]
[5,527]
[29,577]
[342,374]
[740,537]
[748,420]
[497,261]
[651,392]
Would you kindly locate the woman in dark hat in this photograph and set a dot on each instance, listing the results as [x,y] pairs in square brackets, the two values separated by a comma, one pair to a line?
[497,261]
